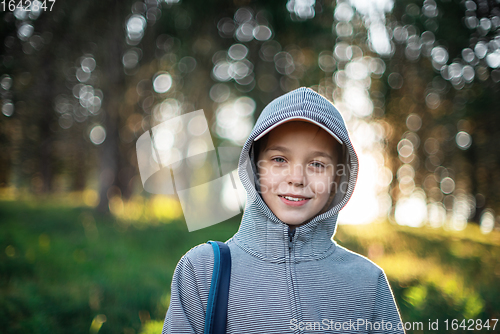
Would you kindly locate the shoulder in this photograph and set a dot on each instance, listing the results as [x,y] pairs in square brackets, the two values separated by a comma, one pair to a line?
[201,254]
[194,269]
[201,250]
[197,264]
[357,264]
[204,252]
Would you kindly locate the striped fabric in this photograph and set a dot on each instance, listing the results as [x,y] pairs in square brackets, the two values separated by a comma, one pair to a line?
[284,282]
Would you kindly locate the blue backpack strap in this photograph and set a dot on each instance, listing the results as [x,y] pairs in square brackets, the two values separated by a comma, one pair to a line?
[216,316]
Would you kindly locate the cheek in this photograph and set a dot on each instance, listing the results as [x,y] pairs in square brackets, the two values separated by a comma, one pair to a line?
[270,181]
[271,174]
[322,184]
[267,180]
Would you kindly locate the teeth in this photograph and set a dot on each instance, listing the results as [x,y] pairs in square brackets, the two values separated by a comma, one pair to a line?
[293,198]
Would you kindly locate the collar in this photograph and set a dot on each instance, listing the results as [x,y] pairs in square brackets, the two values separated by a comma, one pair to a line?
[265,236]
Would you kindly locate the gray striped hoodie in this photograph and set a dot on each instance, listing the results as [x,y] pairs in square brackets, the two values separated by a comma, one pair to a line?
[285,281]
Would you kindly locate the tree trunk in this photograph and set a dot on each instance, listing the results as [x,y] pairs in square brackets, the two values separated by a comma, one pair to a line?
[113,83]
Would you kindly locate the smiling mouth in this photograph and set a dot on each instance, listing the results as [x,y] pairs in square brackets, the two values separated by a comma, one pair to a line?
[294,199]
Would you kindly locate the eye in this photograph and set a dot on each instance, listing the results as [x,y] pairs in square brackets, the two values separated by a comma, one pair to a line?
[274,159]
[318,164]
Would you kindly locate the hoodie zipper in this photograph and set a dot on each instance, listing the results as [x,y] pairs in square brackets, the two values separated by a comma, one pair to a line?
[291,233]
[290,270]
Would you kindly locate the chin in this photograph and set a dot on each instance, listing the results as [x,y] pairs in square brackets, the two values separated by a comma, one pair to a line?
[294,220]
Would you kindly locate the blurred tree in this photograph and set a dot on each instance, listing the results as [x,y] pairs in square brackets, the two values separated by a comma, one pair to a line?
[46,47]
[442,93]
[112,70]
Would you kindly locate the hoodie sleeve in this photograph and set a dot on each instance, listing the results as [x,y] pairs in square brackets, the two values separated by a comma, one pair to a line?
[386,318]
[186,313]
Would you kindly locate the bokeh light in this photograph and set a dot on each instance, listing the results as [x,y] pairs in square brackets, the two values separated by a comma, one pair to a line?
[487,221]
[463,140]
[97,135]
[162,83]
[411,211]
[7,108]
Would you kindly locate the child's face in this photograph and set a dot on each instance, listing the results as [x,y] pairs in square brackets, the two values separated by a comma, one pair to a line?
[299,159]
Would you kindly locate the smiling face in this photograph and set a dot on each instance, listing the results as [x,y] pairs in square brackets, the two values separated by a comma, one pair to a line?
[297,160]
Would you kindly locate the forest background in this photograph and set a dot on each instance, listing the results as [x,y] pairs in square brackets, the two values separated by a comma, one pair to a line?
[85,247]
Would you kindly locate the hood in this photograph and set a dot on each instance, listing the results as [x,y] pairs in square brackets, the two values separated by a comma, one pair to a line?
[261,232]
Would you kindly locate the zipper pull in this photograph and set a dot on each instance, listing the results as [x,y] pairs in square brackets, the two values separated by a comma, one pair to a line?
[291,233]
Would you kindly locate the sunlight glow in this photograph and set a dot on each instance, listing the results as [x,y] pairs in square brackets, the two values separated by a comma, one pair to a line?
[411,211]
[370,192]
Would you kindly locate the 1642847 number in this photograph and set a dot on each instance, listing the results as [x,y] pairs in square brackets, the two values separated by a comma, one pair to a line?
[471,324]
[27,5]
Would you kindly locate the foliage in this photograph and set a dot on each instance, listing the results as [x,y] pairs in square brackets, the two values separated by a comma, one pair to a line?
[59,272]
[67,269]
[77,86]
[436,274]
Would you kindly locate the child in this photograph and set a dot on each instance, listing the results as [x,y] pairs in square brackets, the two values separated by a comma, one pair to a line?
[299,169]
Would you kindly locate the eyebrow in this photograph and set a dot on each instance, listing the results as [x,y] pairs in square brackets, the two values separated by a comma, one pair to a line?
[285,150]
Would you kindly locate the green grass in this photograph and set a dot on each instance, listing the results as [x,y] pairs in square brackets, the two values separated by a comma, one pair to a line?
[58,272]
[435,274]
[68,270]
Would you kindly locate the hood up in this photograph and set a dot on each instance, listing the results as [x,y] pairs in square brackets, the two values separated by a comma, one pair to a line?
[261,232]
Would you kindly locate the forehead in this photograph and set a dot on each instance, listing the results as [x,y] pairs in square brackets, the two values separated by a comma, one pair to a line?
[300,135]
[299,128]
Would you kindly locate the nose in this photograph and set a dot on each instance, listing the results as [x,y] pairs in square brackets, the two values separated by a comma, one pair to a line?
[295,175]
